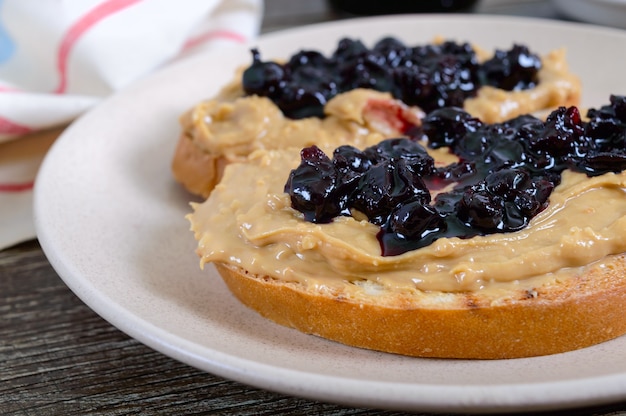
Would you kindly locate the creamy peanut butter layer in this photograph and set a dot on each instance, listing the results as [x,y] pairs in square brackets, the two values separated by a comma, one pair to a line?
[232,125]
[248,221]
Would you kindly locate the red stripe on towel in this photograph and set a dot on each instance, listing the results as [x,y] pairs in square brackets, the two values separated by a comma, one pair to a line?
[16,187]
[4,88]
[79,28]
[11,127]
[215,34]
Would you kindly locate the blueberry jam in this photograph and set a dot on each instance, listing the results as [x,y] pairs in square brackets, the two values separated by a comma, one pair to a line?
[428,76]
[503,178]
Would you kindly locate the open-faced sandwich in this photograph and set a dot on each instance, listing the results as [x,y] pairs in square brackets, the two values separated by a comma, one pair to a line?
[426,228]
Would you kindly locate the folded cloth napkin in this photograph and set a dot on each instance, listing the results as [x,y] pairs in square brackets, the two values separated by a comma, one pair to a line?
[59,58]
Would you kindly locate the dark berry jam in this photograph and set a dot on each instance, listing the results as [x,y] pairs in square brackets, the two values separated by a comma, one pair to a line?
[428,76]
[503,178]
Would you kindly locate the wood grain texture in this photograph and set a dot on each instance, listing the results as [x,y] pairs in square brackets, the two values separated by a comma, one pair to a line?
[57,357]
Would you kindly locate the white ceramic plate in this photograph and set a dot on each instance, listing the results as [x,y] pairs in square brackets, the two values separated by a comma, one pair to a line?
[110,219]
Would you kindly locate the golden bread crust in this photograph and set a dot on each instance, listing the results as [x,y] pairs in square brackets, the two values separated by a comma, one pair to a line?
[584,310]
[196,170]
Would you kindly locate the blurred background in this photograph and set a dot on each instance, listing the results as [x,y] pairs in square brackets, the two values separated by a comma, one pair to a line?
[604,12]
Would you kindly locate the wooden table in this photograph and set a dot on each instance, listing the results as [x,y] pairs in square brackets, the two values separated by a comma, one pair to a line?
[59,357]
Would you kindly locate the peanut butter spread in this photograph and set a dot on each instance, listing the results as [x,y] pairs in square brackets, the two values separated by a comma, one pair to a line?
[234,129]
[233,125]
[557,86]
[248,221]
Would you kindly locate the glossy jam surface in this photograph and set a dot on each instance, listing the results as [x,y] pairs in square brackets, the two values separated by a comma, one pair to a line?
[503,178]
[427,76]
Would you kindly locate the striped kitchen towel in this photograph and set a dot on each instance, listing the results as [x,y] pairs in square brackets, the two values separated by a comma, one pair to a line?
[59,58]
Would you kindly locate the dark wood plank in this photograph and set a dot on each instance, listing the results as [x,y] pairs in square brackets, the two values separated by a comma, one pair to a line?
[59,357]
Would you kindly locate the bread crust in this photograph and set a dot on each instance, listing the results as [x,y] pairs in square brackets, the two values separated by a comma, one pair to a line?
[581,311]
[197,170]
